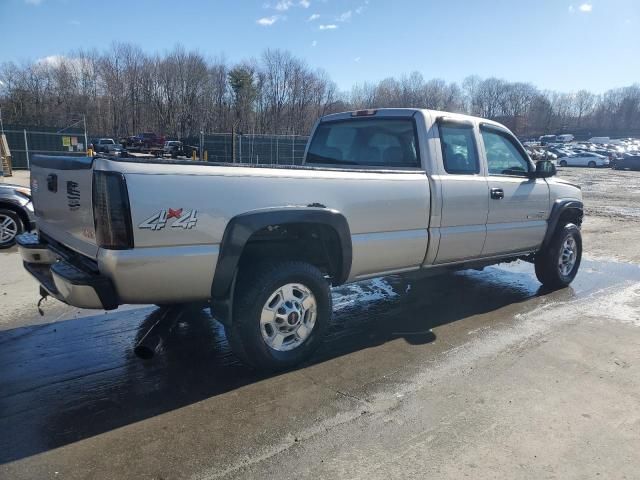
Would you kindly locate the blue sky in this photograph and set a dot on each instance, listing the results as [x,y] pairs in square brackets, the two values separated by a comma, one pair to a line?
[556,44]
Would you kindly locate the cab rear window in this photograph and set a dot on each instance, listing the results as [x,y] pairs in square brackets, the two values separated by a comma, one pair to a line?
[370,142]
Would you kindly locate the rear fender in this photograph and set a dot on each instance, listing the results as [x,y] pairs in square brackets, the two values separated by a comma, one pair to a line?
[240,229]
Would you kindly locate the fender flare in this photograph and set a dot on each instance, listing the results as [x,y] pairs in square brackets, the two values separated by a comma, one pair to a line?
[240,228]
[559,207]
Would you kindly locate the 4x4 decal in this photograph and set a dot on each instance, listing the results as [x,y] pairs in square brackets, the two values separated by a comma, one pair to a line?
[186,220]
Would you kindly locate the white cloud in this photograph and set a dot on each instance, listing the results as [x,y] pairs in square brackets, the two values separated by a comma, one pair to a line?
[283,5]
[268,21]
[357,59]
[51,60]
[313,17]
[362,7]
[75,22]
[328,27]
[571,9]
[33,2]
[344,17]
[314,43]
[586,7]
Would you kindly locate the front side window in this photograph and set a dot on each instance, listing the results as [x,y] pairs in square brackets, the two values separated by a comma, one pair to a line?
[503,157]
[371,142]
[459,153]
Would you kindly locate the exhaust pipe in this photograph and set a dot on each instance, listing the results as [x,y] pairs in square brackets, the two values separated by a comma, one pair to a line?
[151,340]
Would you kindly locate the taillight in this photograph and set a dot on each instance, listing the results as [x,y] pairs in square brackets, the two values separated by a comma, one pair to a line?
[111,212]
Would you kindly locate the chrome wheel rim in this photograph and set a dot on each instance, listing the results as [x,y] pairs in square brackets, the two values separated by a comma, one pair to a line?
[288,317]
[568,256]
[8,229]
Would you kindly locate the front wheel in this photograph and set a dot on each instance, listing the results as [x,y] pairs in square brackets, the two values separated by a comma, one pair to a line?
[281,313]
[592,164]
[563,163]
[558,264]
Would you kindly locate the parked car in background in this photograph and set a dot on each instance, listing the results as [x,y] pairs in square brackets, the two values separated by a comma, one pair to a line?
[560,151]
[173,148]
[565,138]
[547,139]
[106,145]
[584,159]
[150,139]
[130,141]
[16,213]
[627,161]
[601,140]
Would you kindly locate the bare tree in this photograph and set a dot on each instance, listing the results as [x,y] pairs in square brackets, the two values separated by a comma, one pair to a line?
[124,91]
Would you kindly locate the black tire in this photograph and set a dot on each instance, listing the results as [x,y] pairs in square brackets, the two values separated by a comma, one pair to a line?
[254,288]
[592,164]
[547,261]
[563,163]
[14,223]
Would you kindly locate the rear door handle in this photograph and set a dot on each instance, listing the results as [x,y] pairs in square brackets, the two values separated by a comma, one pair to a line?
[497,193]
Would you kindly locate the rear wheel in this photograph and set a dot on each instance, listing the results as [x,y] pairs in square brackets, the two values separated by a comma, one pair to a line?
[592,164]
[10,227]
[563,163]
[558,264]
[280,315]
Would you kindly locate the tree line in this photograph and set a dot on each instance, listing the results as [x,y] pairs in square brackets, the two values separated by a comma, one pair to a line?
[124,91]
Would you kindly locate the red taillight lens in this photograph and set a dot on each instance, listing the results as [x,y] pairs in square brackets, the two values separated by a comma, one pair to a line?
[111,212]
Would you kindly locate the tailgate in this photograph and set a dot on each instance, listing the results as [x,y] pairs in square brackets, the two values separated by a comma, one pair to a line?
[62,193]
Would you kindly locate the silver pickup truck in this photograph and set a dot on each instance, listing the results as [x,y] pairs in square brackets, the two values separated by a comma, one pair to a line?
[380,192]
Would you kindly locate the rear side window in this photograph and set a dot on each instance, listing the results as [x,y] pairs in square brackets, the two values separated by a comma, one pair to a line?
[459,152]
[370,142]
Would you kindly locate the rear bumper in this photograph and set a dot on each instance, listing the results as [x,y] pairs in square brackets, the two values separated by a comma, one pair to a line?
[68,282]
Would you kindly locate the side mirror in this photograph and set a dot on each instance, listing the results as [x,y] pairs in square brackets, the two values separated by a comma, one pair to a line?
[545,169]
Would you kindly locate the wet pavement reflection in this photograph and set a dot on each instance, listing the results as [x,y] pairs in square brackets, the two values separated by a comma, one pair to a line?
[70,380]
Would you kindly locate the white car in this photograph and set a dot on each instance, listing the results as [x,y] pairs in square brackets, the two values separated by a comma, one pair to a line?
[584,159]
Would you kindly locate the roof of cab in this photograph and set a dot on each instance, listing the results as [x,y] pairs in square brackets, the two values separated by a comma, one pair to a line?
[408,112]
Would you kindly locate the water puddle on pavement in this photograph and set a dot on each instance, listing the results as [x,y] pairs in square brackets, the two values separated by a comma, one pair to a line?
[66,381]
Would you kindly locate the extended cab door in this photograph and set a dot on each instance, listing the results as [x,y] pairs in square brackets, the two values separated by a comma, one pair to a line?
[465,195]
[518,205]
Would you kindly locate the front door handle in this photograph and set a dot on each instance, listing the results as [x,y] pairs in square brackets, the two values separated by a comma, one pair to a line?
[497,193]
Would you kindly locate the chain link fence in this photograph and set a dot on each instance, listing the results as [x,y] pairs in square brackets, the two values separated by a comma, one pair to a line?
[24,143]
[220,147]
[253,149]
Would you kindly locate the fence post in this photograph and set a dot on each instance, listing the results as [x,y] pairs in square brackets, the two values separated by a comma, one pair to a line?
[233,144]
[26,148]
[293,151]
[201,146]
[240,146]
[86,140]
[277,152]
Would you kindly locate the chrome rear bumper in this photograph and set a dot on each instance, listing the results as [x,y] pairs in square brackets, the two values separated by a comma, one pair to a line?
[64,280]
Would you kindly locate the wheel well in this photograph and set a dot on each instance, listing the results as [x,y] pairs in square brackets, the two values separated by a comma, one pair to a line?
[315,243]
[571,215]
[18,211]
